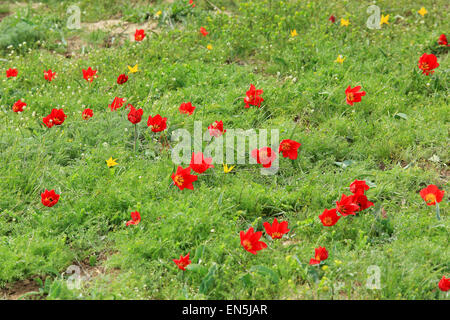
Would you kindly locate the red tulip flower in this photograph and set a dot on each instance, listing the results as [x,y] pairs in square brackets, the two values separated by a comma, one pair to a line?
[264,156]
[329,217]
[200,164]
[139,35]
[135,116]
[135,219]
[18,106]
[117,103]
[332,19]
[346,205]
[89,74]
[87,114]
[49,75]
[122,79]
[432,195]
[157,123]
[49,198]
[56,117]
[183,178]
[191,2]
[253,97]
[276,230]
[216,129]
[444,284]
[11,72]
[187,108]
[183,262]
[250,241]
[289,148]
[361,201]
[353,94]
[320,255]
[427,63]
[203,31]
[443,40]
[359,186]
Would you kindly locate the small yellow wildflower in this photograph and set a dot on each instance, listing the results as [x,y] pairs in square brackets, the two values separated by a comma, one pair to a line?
[111,163]
[159,13]
[209,47]
[294,33]
[133,69]
[340,59]
[345,22]
[384,19]
[227,169]
[422,11]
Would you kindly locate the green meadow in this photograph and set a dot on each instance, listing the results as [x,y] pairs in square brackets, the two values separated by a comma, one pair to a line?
[396,139]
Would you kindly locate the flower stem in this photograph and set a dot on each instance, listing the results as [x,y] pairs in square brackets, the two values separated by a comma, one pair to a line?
[437,211]
[135,136]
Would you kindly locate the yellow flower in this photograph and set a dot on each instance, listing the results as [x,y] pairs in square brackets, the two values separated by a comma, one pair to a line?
[111,163]
[344,22]
[384,19]
[159,13]
[294,33]
[209,47]
[340,59]
[325,268]
[422,11]
[227,169]
[338,262]
[133,69]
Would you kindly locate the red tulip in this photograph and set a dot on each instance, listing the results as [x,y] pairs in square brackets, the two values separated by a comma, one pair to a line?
[183,262]
[56,117]
[203,31]
[276,230]
[353,95]
[122,79]
[135,218]
[289,148]
[49,75]
[320,255]
[187,108]
[87,114]
[250,241]
[329,217]
[444,284]
[253,97]
[183,178]
[192,3]
[432,195]
[11,72]
[346,205]
[49,198]
[139,35]
[200,164]
[427,63]
[332,19]
[18,106]
[157,123]
[216,129]
[135,116]
[443,40]
[361,201]
[358,186]
[89,74]
[117,103]
[264,156]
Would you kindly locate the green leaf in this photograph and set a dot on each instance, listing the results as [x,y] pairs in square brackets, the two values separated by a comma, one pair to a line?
[265,271]
[401,116]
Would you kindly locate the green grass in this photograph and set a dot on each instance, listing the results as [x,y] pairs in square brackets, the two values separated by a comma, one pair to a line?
[304,97]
